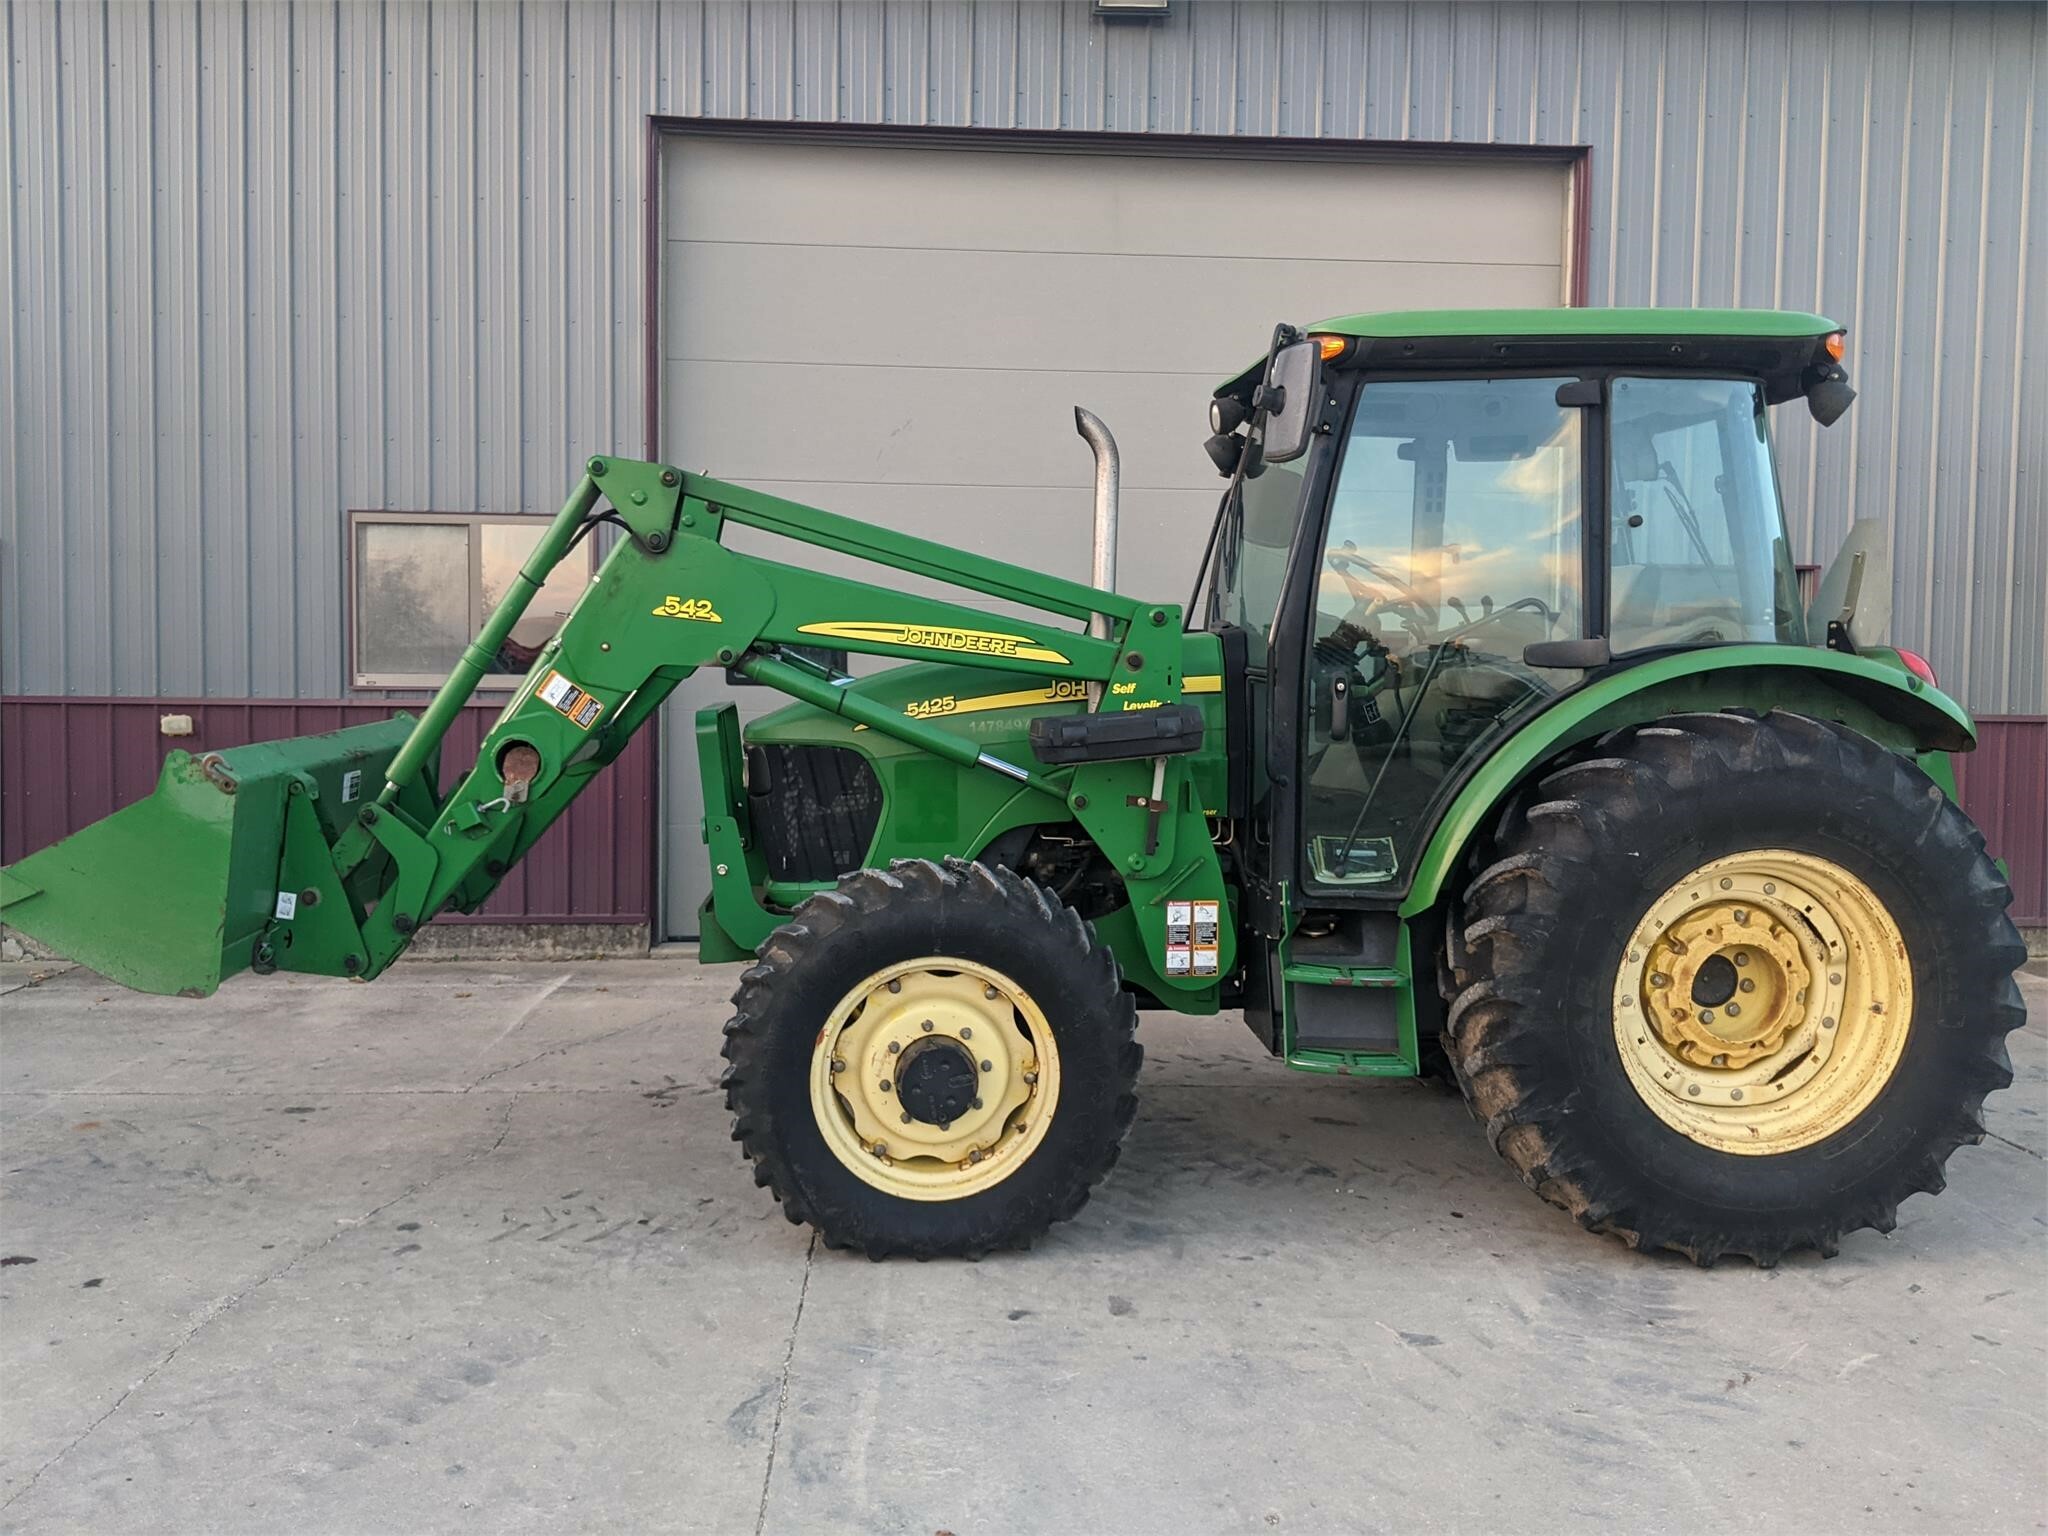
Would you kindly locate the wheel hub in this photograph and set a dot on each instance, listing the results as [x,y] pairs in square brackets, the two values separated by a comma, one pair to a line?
[934,1078]
[936,1082]
[1726,983]
[1762,1002]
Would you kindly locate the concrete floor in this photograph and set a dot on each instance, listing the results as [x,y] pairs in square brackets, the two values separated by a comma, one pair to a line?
[469,1250]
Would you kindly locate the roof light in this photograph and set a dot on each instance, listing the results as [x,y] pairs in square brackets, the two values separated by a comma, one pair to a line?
[1835,344]
[1917,665]
[1332,346]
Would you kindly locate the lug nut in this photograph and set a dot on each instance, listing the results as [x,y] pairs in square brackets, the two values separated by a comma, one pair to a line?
[1659,979]
[1706,1015]
[990,993]
[881,1149]
[977,1104]
[895,1046]
[896,986]
[1734,1009]
[1030,1077]
[1726,882]
[906,1117]
[988,1066]
[966,1032]
[885,1085]
[1827,1023]
[838,1065]
[974,1156]
[1741,957]
[927,1026]
[1741,916]
[1746,984]
[1735,1093]
[1694,1090]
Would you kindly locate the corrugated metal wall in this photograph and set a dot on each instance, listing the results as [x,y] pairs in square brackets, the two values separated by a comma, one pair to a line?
[2000,785]
[266,262]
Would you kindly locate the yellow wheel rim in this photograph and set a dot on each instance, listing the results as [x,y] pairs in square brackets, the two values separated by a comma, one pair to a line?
[1763,1002]
[935,1079]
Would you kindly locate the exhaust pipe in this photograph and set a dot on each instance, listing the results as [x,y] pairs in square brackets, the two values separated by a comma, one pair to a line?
[1102,563]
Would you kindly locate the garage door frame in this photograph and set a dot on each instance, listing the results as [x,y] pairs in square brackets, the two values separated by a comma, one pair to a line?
[662,130]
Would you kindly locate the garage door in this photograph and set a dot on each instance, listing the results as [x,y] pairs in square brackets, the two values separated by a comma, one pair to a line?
[901,334]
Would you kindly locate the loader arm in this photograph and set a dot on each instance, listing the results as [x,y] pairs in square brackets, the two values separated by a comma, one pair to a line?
[340,888]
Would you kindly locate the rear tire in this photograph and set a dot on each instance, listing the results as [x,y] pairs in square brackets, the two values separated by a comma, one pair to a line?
[1583,1038]
[932,1060]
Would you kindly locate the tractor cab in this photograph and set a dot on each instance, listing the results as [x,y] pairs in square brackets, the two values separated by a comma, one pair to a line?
[1439,523]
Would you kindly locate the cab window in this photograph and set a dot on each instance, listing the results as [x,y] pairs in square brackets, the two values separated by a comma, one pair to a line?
[1697,553]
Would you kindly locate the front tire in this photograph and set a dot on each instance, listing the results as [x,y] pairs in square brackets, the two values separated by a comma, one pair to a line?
[932,1060]
[1737,985]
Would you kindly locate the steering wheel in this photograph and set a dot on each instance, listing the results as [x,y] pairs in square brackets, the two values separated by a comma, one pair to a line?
[1339,559]
[1407,606]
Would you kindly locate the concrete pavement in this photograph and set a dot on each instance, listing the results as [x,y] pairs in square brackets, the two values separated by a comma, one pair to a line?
[468,1249]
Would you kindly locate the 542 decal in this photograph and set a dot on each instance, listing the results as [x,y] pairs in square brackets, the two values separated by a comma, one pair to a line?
[696,609]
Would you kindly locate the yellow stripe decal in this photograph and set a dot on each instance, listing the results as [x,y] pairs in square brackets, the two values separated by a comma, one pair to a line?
[1210,684]
[925,637]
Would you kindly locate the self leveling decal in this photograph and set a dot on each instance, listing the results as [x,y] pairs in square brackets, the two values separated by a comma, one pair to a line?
[564,696]
[925,637]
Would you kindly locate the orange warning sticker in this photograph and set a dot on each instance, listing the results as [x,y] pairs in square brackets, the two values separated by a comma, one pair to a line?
[560,694]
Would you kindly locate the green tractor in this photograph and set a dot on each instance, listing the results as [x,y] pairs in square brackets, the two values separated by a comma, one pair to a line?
[1496,742]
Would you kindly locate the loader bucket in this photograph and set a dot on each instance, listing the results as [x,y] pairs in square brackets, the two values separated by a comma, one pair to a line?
[174,893]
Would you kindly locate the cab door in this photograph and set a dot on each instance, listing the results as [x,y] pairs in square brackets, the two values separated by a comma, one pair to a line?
[1448,543]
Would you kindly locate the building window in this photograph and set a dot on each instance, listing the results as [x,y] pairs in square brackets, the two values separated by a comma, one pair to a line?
[422,584]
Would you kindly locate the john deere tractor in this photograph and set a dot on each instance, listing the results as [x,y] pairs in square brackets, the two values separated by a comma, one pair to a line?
[1496,741]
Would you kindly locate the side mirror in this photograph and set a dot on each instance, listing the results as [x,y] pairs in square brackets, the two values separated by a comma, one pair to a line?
[1828,395]
[1290,400]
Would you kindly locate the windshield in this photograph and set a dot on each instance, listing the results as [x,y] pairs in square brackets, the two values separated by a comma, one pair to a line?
[1696,543]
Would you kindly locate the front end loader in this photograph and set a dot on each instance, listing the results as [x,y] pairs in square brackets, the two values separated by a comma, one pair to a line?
[1496,744]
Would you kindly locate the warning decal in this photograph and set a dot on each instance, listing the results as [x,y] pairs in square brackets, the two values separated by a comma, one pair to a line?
[561,694]
[1205,937]
[1191,938]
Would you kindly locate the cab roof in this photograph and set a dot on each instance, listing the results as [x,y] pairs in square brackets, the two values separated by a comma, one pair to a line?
[1778,346]
[1522,324]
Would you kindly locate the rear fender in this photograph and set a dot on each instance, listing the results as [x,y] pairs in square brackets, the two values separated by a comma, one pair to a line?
[1869,694]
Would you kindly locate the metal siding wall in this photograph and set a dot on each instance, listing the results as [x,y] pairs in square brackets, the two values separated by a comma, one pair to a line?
[265,263]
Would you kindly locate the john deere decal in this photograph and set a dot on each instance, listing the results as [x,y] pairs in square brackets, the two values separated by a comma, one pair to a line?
[923,637]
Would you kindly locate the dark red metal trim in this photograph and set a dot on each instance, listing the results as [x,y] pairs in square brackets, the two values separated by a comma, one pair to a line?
[1581,237]
[65,762]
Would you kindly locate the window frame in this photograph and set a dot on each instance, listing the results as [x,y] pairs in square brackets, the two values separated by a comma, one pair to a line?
[395,682]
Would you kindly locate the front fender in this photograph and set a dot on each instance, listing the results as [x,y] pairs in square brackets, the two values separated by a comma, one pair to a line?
[1876,697]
